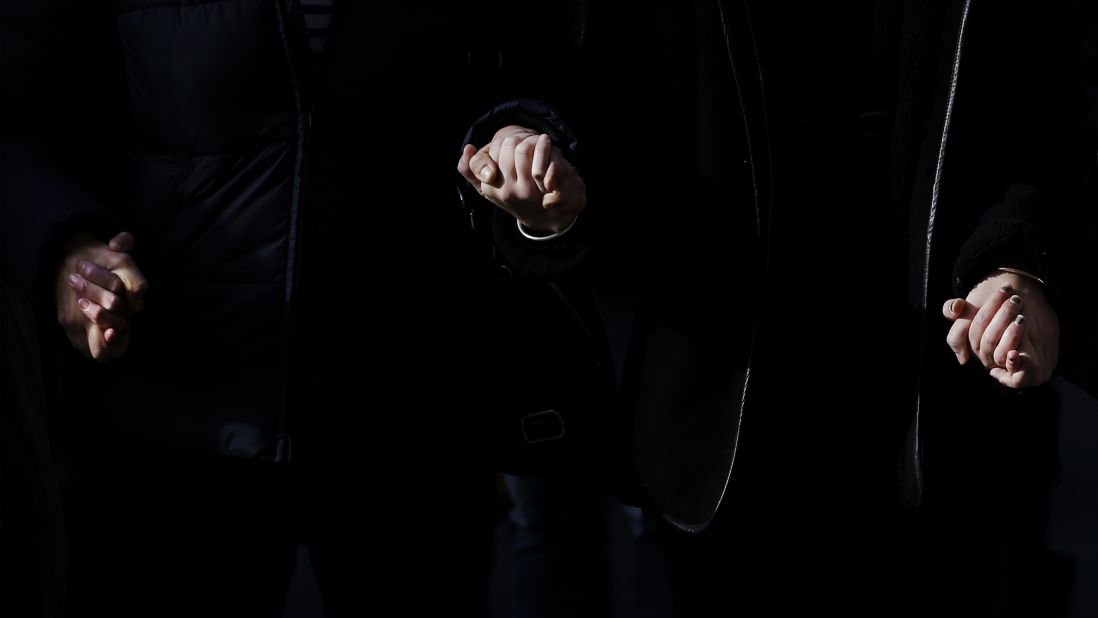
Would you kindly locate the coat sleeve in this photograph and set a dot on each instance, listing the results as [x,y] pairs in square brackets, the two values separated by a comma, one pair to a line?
[49,93]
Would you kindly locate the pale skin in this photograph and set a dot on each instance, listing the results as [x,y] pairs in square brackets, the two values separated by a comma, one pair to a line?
[98,288]
[522,172]
[1009,326]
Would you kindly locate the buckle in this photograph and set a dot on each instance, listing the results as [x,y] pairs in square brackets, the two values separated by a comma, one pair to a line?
[544,426]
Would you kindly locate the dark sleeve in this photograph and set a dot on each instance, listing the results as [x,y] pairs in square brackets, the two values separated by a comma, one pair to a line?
[1028,123]
[44,168]
[1017,232]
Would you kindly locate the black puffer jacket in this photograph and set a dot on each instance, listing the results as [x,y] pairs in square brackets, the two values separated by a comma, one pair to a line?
[315,288]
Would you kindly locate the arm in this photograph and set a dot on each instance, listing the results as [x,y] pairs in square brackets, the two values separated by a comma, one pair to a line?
[51,216]
[1031,164]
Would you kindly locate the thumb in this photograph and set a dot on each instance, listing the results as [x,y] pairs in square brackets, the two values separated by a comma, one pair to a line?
[484,168]
[956,309]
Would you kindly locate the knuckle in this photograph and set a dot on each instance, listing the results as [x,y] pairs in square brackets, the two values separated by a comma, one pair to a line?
[110,303]
[987,342]
[954,340]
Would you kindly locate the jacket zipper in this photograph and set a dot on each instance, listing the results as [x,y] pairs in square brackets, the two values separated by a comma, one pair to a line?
[284,449]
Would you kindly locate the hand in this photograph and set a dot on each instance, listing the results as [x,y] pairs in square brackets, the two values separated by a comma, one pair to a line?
[1008,324]
[522,172]
[98,288]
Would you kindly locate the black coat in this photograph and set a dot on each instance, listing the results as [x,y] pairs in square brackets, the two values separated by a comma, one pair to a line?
[315,287]
[781,199]
[762,190]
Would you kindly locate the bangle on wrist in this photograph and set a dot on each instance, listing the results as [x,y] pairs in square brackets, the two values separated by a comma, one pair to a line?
[522,230]
[1022,273]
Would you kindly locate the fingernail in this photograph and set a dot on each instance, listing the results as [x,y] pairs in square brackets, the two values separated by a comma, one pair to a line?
[486,172]
[1005,289]
[108,335]
[1021,319]
[84,303]
[1017,300]
[74,280]
[952,305]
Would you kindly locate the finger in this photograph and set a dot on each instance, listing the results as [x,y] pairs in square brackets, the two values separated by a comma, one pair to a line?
[985,315]
[104,298]
[524,159]
[122,242]
[137,286]
[102,318]
[102,350]
[559,172]
[554,200]
[1011,339]
[102,277]
[485,168]
[957,339]
[506,159]
[515,132]
[957,308]
[117,338]
[551,180]
[565,204]
[1003,318]
[1014,361]
[540,165]
[463,168]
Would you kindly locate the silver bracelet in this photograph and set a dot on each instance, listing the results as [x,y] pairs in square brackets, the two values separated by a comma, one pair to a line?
[1022,273]
[522,230]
